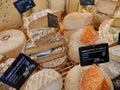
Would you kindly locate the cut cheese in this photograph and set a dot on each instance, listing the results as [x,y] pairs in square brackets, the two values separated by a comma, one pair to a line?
[89,35]
[92,79]
[40,5]
[11,42]
[72,6]
[77,20]
[106,6]
[57,5]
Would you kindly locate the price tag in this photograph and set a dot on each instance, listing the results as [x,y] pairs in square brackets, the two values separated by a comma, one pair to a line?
[86,2]
[19,71]
[94,54]
[119,39]
[24,5]
[52,20]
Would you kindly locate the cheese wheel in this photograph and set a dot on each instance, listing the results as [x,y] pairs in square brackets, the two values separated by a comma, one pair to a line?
[57,5]
[46,79]
[40,5]
[77,72]
[11,42]
[77,20]
[9,16]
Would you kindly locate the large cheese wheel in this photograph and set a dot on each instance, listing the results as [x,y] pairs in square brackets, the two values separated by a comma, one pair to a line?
[9,16]
[46,79]
[11,42]
[74,77]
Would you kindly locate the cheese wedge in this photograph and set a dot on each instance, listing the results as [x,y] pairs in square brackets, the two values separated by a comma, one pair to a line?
[92,79]
[89,35]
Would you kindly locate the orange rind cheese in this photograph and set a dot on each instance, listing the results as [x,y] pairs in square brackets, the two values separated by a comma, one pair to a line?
[93,79]
[89,35]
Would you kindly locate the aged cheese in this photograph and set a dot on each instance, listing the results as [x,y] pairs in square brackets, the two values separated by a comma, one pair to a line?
[77,20]
[46,79]
[106,6]
[40,5]
[89,35]
[11,41]
[57,5]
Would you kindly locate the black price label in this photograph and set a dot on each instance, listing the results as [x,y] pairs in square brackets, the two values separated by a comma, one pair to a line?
[86,2]
[94,54]
[19,71]
[119,39]
[24,5]
[52,20]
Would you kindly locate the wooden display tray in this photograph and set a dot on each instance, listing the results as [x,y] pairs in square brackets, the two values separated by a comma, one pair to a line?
[65,69]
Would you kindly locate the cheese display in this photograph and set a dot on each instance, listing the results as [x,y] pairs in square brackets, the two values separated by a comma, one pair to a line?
[7,12]
[40,5]
[75,43]
[48,49]
[11,41]
[57,5]
[114,53]
[87,78]
[109,32]
[106,6]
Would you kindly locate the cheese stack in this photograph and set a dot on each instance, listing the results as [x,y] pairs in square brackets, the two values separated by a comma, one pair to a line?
[74,21]
[9,16]
[11,42]
[47,48]
[46,79]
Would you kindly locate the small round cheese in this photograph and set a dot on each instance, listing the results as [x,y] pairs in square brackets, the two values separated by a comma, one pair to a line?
[11,42]
[46,79]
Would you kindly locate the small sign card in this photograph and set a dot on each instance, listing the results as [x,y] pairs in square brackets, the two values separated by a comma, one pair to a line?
[24,5]
[86,2]
[52,20]
[19,71]
[94,54]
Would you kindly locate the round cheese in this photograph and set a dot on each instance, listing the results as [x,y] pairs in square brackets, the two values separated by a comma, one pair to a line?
[9,16]
[11,42]
[46,79]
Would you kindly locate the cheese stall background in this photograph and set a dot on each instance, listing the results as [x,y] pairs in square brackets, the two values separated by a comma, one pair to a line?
[78,25]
